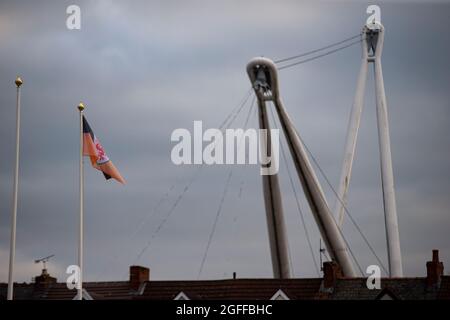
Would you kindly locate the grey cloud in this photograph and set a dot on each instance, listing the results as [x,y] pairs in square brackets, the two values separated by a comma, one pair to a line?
[151,67]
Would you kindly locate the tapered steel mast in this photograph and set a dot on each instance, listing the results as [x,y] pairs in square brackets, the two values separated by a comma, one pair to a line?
[264,78]
[271,188]
[372,47]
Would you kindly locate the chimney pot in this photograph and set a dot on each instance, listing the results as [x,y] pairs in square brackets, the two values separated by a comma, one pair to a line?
[435,255]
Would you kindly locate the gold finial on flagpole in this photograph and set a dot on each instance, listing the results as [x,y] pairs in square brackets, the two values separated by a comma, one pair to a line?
[81,106]
[18,82]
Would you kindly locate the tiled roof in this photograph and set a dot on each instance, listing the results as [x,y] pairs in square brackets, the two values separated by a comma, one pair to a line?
[97,290]
[240,289]
[58,291]
[22,291]
[401,288]
[444,292]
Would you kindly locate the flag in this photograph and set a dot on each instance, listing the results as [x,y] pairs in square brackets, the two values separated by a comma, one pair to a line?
[99,159]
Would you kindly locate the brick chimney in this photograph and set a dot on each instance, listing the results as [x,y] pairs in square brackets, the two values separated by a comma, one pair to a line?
[331,272]
[44,280]
[138,275]
[435,269]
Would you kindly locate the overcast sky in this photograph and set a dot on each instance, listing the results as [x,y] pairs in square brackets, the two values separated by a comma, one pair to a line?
[146,68]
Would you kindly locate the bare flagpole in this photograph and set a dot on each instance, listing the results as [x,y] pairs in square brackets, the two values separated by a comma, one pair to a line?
[80,244]
[12,249]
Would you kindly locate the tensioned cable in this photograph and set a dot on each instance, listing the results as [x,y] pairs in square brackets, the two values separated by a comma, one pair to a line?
[143,222]
[241,185]
[219,210]
[252,105]
[186,188]
[225,191]
[317,50]
[320,55]
[237,110]
[340,231]
[169,213]
[166,194]
[145,219]
[153,211]
[344,206]
[283,153]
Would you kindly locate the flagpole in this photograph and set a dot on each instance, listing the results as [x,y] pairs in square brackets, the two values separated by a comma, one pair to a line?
[80,244]
[12,249]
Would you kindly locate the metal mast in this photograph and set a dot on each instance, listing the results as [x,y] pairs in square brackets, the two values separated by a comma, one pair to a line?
[376,38]
[372,48]
[271,188]
[352,133]
[264,78]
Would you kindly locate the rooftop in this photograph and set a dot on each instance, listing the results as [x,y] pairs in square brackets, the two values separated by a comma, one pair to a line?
[435,285]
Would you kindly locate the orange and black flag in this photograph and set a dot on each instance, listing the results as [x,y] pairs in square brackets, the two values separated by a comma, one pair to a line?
[95,151]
